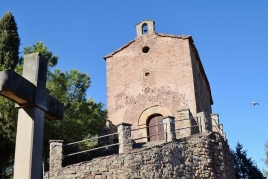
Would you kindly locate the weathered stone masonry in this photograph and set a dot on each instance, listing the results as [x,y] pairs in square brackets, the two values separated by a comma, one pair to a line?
[204,155]
[55,160]
[156,76]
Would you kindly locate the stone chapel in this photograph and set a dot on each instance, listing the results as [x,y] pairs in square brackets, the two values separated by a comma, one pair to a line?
[154,76]
[157,91]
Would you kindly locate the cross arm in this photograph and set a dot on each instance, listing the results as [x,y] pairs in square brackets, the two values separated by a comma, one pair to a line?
[16,88]
[24,93]
[55,109]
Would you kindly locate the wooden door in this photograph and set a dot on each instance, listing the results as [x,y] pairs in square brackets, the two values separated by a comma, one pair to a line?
[156,129]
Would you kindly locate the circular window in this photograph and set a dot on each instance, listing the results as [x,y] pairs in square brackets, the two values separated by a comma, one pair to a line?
[145,49]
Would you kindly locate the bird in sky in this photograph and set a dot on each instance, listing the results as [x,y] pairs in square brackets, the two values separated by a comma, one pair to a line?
[254,103]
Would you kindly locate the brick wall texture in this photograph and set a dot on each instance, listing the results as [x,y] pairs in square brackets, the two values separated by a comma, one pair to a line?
[169,75]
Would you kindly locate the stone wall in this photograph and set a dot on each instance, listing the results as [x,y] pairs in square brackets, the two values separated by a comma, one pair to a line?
[201,89]
[165,75]
[204,155]
[137,81]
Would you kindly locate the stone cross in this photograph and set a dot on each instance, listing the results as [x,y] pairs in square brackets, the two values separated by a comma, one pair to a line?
[35,104]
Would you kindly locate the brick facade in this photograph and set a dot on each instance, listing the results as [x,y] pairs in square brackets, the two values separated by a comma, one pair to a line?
[155,74]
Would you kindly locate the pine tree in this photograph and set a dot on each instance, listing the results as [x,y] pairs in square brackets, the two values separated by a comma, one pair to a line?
[9,50]
[9,42]
[245,167]
[83,117]
[266,158]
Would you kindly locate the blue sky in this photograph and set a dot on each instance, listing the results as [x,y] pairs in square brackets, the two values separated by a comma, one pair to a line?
[231,37]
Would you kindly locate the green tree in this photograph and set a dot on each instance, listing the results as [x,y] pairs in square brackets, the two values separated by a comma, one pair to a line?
[9,42]
[8,122]
[40,47]
[266,159]
[83,117]
[245,168]
[9,58]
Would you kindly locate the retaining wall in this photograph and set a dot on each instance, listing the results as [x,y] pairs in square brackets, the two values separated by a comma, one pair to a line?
[204,155]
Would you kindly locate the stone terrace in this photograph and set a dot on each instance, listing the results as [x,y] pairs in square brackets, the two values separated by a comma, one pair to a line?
[204,155]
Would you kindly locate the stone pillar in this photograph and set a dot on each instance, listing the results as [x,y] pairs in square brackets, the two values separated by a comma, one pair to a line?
[169,127]
[184,113]
[55,155]
[215,123]
[224,136]
[215,118]
[204,121]
[183,123]
[221,128]
[221,132]
[124,136]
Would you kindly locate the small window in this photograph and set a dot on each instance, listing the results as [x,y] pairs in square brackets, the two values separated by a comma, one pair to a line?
[144,28]
[145,49]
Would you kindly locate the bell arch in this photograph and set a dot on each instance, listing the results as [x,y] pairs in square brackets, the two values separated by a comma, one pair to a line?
[144,28]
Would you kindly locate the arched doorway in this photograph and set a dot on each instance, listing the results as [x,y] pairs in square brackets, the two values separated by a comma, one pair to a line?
[154,121]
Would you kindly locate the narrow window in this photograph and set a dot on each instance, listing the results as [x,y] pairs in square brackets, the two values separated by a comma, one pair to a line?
[147,78]
[144,28]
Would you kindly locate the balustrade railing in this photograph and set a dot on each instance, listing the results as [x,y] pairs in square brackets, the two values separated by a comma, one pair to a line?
[90,139]
[188,127]
[125,142]
[147,127]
